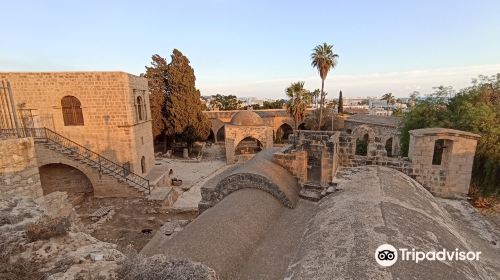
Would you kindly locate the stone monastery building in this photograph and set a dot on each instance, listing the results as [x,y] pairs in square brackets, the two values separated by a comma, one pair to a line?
[104,115]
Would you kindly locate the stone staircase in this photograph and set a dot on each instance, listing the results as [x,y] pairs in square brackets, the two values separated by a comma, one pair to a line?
[78,153]
[106,167]
[315,192]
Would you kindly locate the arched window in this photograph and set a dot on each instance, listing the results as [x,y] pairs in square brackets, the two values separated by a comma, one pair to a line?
[139,105]
[388,147]
[143,164]
[282,133]
[72,111]
[362,146]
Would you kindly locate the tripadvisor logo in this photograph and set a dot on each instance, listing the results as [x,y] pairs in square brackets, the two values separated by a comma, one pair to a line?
[387,255]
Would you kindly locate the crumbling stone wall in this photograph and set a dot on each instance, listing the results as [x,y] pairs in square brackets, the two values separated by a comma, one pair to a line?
[319,146]
[451,178]
[295,162]
[18,169]
[378,133]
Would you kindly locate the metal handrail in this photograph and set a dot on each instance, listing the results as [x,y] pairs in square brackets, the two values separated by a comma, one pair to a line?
[74,148]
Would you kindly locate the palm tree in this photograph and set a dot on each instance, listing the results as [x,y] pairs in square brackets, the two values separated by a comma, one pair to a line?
[299,99]
[324,60]
[314,97]
[388,98]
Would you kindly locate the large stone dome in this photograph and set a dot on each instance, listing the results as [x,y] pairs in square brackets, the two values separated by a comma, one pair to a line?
[246,118]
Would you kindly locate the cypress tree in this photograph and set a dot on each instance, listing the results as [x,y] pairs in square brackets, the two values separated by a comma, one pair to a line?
[184,118]
[157,83]
[341,103]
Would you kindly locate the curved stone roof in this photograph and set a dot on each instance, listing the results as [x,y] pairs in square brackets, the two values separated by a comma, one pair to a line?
[246,118]
[252,235]
[259,173]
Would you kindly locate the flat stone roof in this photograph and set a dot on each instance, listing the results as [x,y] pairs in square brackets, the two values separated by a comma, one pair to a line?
[442,131]
[374,119]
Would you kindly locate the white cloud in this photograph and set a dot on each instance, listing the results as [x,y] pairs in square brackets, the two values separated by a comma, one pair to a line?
[374,84]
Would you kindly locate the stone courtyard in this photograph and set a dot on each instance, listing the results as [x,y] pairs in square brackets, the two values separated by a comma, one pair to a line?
[252,203]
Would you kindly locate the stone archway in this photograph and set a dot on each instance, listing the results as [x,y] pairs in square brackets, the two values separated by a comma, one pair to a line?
[211,136]
[248,145]
[221,135]
[216,126]
[388,147]
[302,126]
[282,133]
[66,178]
[363,143]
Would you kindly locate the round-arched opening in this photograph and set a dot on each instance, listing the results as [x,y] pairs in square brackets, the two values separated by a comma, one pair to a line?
[140,113]
[72,111]
[302,126]
[388,147]
[247,146]
[348,131]
[211,136]
[283,133]
[61,177]
[221,135]
[362,145]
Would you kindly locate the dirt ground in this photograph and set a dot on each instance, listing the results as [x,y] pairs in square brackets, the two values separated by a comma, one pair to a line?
[127,220]
[134,221]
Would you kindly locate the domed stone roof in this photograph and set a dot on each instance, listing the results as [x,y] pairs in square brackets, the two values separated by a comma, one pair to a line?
[246,118]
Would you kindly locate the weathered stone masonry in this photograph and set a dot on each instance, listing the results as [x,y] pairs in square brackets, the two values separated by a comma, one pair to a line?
[18,168]
[108,100]
[450,178]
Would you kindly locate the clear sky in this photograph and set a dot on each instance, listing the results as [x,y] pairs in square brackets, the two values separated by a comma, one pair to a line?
[257,48]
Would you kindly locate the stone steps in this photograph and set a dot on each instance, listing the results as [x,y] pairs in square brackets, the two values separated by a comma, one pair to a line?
[106,168]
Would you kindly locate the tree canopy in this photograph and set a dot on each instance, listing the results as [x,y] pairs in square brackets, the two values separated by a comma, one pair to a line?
[225,102]
[184,116]
[157,83]
[175,101]
[341,103]
[299,99]
[475,109]
[323,59]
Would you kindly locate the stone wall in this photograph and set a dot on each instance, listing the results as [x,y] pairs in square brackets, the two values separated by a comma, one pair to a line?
[295,162]
[18,168]
[318,146]
[111,125]
[378,133]
[451,178]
